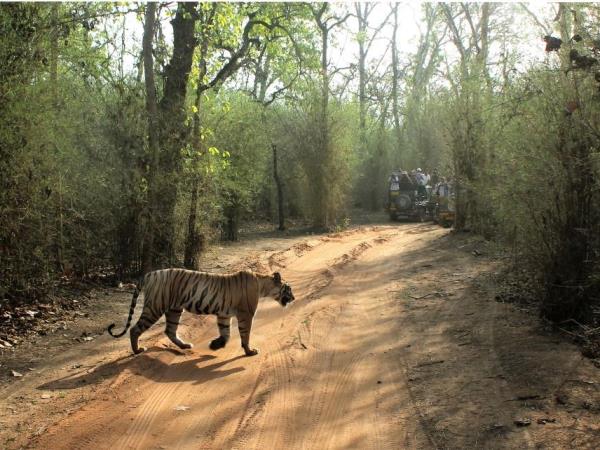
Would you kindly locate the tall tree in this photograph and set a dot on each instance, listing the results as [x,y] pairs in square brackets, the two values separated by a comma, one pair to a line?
[396,83]
[278,66]
[363,10]
[171,139]
[419,73]
[471,39]
[235,51]
[153,138]
[325,22]
[366,37]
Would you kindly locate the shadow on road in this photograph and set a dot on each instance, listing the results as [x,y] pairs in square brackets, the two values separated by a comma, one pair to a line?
[151,367]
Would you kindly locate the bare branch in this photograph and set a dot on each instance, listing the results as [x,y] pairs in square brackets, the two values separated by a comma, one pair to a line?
[544,27]
[474,34]
[455,33]
[339,22]
[377,30]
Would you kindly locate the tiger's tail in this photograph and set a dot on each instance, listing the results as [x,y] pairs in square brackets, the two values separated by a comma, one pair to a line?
[136,293]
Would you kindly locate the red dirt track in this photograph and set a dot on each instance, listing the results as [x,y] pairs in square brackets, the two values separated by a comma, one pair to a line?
[389,344]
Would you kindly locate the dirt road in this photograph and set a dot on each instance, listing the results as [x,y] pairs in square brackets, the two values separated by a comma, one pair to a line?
[393,342]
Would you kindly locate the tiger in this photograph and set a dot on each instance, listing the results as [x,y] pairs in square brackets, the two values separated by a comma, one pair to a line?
[170,291]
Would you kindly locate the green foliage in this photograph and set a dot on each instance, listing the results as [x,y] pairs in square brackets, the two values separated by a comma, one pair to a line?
[304,165]
[66,179]
[247,147]
[80,188]
[373,166]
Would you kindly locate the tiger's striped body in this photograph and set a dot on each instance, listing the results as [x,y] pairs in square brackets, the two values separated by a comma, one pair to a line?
[171,291]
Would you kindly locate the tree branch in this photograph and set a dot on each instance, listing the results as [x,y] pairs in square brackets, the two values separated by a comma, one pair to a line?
[236,59]
[544,27]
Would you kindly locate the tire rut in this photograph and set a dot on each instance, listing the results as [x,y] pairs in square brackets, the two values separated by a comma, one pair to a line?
[307,347]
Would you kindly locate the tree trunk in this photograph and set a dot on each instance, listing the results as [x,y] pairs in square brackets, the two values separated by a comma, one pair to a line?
[61,235]
[395,82]
[232,224]
[153,144]
[362,78]
[279,184]
[54,55]
[322,185]
[194,241]
[173,133]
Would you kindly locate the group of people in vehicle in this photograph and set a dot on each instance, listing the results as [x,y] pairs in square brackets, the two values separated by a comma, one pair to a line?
[418,193]
[416,179]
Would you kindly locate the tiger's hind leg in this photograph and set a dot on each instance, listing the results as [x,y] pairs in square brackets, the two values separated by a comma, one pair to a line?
[146,320]
[224,324]
[173,317]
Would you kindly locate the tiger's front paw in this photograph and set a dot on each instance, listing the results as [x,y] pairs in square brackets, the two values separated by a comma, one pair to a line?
[251,351]
[218,343]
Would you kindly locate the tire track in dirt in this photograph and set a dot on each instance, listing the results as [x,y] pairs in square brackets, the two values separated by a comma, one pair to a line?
[436,345]
[137,432]
[319,328]
[161,393]
[164,395]
[355,373]
[280,258]
[326,276]
[273,419]
[254,408]
[218,420]
[332,396]
[276,415]
[363,362]
[359,317]
[279,366]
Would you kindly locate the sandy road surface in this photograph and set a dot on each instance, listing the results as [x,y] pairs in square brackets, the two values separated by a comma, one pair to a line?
[387,346]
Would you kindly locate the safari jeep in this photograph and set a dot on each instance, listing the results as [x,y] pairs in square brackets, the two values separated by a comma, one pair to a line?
[403,200]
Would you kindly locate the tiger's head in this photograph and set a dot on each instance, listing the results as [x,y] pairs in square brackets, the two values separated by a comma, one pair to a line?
[282,292]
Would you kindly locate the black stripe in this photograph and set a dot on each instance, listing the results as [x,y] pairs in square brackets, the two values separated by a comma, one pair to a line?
[144,320]
[193,291]
[245,292]
[203,295]
[212,300]
[206,309]
[199,301]
[184,283]
[228,292]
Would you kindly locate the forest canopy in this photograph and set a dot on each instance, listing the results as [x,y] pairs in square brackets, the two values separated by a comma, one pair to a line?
[132,135]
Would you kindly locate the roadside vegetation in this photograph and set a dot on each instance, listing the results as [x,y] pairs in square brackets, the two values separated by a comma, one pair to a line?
[134,135]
